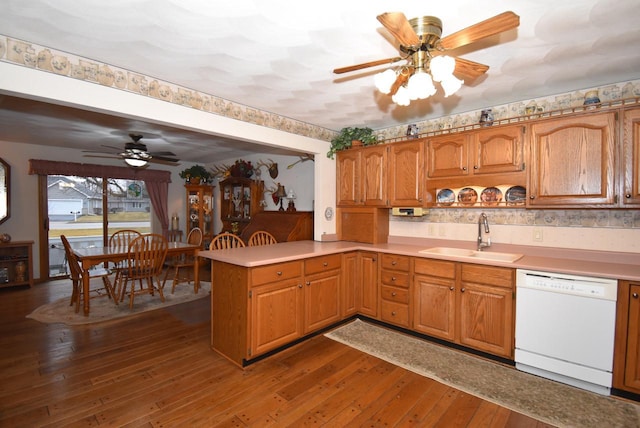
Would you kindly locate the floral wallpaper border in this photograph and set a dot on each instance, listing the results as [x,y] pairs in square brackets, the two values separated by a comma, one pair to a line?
[620,219]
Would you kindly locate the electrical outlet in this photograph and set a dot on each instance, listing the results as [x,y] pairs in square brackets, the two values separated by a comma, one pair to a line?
[537,234]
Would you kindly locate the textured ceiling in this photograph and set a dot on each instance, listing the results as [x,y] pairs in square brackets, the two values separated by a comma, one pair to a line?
[278,55]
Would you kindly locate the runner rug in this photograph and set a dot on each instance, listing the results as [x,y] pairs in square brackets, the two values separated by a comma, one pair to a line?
[542,399]
[104,309]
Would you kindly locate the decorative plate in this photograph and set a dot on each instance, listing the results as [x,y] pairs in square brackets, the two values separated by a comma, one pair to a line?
[446,197]
[491,196]
[467,196]
[515,195]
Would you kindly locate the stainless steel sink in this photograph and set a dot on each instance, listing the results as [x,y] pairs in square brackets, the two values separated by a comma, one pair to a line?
[472,254]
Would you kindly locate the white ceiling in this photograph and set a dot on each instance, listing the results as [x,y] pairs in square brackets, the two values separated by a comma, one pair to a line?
[278,56]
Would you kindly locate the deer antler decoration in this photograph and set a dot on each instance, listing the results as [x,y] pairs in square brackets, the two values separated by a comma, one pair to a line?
[221,171]
[303,158]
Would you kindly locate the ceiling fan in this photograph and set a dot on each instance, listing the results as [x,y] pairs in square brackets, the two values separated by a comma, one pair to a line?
[135,153]
[424,51]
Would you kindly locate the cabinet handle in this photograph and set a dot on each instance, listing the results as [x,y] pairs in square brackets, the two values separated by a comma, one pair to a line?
[475,167]
[393,313]
[325,264]
[308,283]
[299,285]
[393,263]
[279,273]
[393,294]
[532,197]
[393,278]
[452,288]
[634,295]
[464,168]
[462,290]
[628,196]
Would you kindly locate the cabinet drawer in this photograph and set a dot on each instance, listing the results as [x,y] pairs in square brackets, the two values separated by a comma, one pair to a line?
[392,261]
[396,313]
[395,294]
[322,263]
[441,268]
[490,275]
[399,279]
[275,272]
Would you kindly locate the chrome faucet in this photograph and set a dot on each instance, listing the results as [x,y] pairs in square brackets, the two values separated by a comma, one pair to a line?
[483,221]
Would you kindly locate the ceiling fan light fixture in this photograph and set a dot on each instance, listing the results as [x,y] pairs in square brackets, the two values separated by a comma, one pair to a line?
[451,84]
[401,97]
[135,162]
[442,67]
[384,81]
[420,86]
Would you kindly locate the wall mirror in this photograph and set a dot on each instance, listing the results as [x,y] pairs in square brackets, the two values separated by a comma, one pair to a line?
[5,187]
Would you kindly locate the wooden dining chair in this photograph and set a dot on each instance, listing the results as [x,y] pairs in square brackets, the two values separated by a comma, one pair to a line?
[183,261]
[121,240]
[261,237]
[76,273]
[226,240]
[145,259]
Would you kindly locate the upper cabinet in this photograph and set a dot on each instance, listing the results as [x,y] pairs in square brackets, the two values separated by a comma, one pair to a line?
[361,176]
[406,174]
[631,158]
[488,151]
[572,161]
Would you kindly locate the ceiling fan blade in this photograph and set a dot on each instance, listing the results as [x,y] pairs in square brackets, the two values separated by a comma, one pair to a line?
[400,80]
[367,65]
[102,157]
[171,162]
[398,25]
[499,23]
[471,69]
[167,154]
[164,159]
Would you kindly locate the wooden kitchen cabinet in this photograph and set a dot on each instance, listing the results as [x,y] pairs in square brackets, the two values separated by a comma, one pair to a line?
[486,309]
[572,162]
[488,151]
[322,292]
[406,174]
[626,365]
[361,177]
[631,159]
[435,298]
[395,289]
[360,284]
[468,304]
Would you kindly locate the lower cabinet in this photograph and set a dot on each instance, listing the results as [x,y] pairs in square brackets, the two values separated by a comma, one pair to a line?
[360,284]
[626,365]
[395,289]
[468,304]
[321,292]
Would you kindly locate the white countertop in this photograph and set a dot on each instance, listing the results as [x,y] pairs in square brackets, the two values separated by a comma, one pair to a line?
[614,265]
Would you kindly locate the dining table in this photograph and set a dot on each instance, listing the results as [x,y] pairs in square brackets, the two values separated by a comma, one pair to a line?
[92,256]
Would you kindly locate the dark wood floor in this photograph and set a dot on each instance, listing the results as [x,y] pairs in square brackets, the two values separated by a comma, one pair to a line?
[157,370]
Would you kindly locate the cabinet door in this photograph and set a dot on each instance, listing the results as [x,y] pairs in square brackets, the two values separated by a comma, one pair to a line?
[348,177]
[434,306]
[374,179]
[632,363]
[367,293]
[486,318]
[321,300]
[350,277]
[572,161]
[406,174]
[276,315]
[448,156]
[631,158]
[498,150]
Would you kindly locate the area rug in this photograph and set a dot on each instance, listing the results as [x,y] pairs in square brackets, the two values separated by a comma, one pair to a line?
[542,399]
[104,309]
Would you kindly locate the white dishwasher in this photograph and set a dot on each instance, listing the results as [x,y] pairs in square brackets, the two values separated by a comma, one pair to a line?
[565,328]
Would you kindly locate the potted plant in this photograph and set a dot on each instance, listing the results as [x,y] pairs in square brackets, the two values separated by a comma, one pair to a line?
[196,174]
[347,136]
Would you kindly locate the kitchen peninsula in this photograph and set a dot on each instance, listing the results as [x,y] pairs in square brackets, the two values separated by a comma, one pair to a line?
[266,297]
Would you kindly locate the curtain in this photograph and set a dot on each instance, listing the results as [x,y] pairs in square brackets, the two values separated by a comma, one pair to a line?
[157,182]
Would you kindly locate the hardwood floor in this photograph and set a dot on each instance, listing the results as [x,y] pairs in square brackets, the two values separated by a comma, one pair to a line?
[157,370]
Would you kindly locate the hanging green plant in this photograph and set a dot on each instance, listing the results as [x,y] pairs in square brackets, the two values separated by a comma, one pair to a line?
[347,136]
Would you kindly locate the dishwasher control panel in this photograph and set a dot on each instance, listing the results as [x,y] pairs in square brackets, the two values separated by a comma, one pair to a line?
[601,288]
